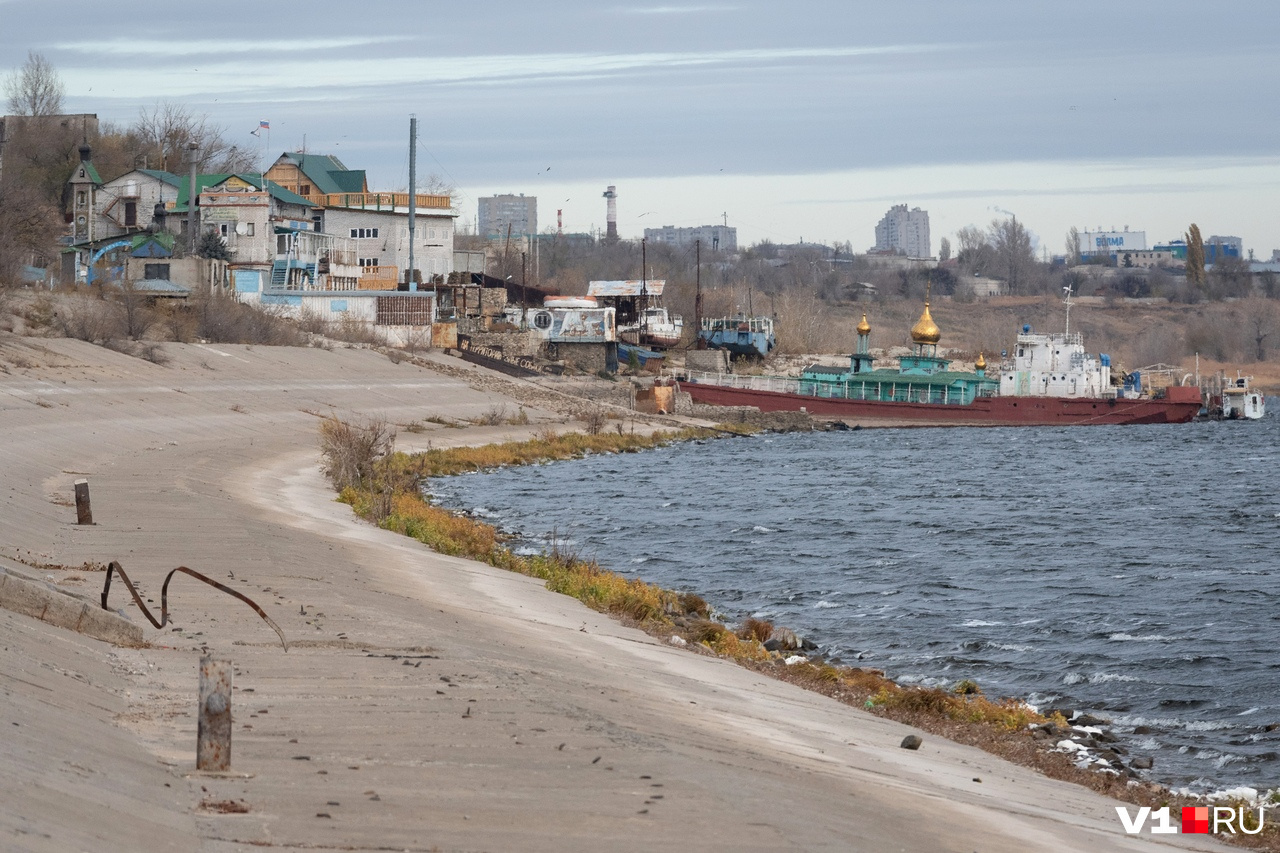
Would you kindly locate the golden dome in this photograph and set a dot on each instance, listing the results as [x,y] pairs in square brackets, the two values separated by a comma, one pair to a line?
[864,328]
[981,363]
[925,331]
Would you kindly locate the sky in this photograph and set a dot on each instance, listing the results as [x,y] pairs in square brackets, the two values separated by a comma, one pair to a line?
[803,120]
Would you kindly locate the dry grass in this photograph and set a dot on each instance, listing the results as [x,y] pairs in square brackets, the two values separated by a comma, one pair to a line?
[962,714]
[756,629]
[351,451]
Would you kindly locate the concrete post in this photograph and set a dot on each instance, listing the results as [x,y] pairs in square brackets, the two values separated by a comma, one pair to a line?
[84,514]
[213,739]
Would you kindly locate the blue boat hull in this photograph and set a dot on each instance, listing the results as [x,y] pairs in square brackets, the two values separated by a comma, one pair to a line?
[744,342]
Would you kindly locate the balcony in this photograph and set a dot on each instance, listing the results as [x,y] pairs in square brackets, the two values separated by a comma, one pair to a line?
[381,201]
[378,278]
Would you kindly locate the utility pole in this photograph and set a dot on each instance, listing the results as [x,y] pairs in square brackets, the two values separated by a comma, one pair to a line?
[699,343]
[192,148]
[413,188]
[524,295]
[644,290]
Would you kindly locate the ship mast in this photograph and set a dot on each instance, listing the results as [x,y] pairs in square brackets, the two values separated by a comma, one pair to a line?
[1067,299]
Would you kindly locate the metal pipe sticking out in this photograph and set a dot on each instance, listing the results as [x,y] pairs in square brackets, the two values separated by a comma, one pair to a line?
[84,512]
[213,731]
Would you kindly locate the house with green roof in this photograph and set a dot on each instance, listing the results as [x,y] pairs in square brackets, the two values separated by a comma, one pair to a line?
[315,176]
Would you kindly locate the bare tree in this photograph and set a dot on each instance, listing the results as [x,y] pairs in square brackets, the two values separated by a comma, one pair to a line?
[1073,246]
[29,224]
[1262,325]
[35,89]
[976,254]
[163,136]
[1015,257]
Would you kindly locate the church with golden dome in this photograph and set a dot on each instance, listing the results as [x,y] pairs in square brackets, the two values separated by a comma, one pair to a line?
[923,376]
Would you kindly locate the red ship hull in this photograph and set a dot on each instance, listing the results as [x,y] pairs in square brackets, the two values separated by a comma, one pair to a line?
[1179,405]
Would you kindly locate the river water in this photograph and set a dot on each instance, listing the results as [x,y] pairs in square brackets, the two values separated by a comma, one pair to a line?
[1126,571]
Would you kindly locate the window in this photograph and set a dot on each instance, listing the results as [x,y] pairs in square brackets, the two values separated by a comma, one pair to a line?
[151,272]
[130,214]
[304,189]
[248,229]
[369,262]
[360,233]
[224,229]
[80,198]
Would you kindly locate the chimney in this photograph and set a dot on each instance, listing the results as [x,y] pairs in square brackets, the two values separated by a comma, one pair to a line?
[611,213]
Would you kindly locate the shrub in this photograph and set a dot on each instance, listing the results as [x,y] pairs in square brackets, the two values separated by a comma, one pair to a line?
[351,450]
[594,419]
[756,629]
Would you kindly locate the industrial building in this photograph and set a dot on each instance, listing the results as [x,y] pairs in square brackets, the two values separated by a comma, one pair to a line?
[716,238]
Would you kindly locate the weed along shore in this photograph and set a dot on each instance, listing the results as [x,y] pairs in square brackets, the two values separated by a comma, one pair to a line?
[427,700]
[392,490]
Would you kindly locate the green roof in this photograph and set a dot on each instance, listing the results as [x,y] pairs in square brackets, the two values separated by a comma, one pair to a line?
[168,177]
[327,173]
[204,182]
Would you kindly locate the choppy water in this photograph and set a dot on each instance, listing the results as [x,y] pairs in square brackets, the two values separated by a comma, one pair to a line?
[1129,571]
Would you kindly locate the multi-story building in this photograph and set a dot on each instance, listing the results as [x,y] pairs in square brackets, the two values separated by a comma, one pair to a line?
[904,232]
[382,242]
[716,238]
[1111,244]
[1217,248]
[508,215]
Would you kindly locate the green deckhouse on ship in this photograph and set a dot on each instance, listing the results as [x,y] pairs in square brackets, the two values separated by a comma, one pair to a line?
[922,377]
[1049,380]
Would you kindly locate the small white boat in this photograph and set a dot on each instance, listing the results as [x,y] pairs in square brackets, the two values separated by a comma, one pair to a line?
[1240,401]
[656,328]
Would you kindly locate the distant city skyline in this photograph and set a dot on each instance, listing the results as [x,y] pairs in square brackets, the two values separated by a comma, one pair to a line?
[800,123]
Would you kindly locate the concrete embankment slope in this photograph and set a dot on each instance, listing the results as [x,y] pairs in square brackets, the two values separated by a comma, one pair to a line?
[426,702]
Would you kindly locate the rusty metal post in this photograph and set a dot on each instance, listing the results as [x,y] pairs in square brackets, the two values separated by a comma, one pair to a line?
[213,739]
[84,515]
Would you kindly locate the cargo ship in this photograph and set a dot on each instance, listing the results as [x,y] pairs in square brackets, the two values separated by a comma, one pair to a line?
[1049,381]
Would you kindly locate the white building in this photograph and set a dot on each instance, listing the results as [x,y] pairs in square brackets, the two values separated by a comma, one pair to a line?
[905,232]
[382,241]
[500,215]
[715,238]
[1112,243]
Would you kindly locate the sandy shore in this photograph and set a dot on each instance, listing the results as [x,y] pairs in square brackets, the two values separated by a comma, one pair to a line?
[426,702]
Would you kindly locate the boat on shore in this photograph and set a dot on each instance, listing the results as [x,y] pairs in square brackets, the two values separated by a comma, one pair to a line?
[752,337]
[656,328]
[1049,381]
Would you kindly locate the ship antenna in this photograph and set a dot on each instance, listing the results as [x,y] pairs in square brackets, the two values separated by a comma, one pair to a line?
[1067,299]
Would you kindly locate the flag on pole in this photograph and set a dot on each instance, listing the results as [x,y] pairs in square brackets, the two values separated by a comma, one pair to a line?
[262,125]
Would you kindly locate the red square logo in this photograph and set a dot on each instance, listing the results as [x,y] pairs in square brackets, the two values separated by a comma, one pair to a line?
[1195,819]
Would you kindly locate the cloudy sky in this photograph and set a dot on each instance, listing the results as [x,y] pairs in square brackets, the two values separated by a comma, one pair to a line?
[795,120]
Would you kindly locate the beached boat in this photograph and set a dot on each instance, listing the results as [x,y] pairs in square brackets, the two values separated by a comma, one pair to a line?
[656,328]
[1050,380]
[752,337]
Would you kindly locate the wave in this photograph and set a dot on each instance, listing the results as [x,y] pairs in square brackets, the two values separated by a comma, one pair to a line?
[1097,678]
